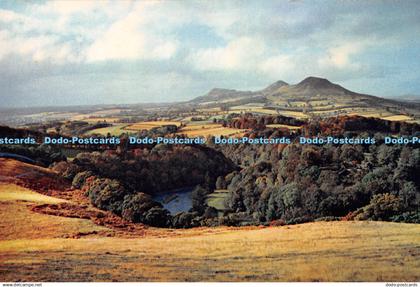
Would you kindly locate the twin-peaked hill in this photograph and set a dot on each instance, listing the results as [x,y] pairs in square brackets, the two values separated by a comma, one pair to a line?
[312,95]
[307,89]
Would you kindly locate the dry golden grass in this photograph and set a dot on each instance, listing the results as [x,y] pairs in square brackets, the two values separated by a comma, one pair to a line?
[298,104]
[118,129]
[20,223]
[264,111]
[298,115]
[12,192]
[200,126]
[149,125]
[324,251]
[368,113]
[40,247]
[398,118]
[206,110]
[246,107]
[13,168]
[205,130]
[283,126]
[385,115]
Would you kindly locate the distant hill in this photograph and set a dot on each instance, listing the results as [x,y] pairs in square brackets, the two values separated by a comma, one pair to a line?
[224,95]
[309,88]
[274,87]
[409,98]
[313,94]
[313,88]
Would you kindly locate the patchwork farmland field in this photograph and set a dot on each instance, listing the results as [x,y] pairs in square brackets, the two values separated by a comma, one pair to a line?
[204,130]
[398,118]
[94,120]
[114,130]
[275,126]
[150,125]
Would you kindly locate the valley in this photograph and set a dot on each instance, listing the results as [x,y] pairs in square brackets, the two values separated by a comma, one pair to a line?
[282,211]
[174,141]
[67,248]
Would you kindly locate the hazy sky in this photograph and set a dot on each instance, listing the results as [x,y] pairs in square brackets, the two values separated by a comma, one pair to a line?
[81,52]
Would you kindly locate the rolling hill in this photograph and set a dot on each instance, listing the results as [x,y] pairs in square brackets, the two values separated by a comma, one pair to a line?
[225,95]
[312,95]
[45,238]
[308,89]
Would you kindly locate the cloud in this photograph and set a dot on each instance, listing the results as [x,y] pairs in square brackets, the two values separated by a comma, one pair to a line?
[277,67]
[233,44]
[340,56]
[8,16]
[131,38]
[238,54]
[38,48]
[244,54]
[68,8]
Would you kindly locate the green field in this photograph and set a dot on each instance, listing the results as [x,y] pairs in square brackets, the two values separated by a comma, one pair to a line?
[114,130]
[217,199]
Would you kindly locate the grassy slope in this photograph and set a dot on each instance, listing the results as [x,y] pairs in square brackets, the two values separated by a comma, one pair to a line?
[20,223]
[40,247]
[339,251]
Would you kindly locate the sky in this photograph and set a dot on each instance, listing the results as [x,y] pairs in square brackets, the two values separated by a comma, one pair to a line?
[121,52]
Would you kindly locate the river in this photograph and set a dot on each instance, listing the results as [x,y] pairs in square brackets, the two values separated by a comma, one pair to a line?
[176,200]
